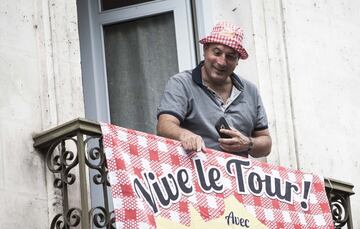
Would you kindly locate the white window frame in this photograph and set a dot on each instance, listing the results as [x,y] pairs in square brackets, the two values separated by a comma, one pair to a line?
[94,65]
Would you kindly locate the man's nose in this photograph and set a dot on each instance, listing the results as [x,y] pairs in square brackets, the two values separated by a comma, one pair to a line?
[221,60]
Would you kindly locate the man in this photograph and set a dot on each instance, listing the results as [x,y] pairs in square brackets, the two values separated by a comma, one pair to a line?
[193,101]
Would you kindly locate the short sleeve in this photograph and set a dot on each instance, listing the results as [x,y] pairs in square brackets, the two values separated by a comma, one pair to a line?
[261,118]
[175,98]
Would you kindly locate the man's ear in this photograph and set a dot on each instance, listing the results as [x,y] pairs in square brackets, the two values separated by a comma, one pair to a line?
[205,46]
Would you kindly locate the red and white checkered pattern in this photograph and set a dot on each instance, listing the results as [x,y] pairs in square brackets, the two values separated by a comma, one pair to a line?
[130,152]
[227,34]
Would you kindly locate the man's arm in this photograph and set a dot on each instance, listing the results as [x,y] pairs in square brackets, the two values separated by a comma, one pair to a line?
[239,142]
[169,126]
[262,143]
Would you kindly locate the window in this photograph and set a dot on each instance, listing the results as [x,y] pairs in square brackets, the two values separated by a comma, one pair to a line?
[113,4]
[128,53]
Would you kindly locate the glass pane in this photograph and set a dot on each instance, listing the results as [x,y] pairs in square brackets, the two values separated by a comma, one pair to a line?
[112,4]
[140,56]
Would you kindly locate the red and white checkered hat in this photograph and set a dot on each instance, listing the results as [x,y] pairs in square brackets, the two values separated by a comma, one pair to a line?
[227,34]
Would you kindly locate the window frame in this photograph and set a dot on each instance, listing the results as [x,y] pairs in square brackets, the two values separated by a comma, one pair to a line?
[91,22]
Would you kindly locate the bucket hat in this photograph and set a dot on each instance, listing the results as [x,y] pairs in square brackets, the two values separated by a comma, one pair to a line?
[227,34]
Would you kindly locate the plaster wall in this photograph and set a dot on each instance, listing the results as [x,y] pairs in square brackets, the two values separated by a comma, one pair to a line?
[304,58]
[322,39]
[40,84]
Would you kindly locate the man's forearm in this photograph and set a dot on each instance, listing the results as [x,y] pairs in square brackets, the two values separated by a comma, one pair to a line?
[261,146]
[169,126]
[171,130]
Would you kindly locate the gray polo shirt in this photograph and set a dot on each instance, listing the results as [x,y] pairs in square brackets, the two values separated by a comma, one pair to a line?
[198,109]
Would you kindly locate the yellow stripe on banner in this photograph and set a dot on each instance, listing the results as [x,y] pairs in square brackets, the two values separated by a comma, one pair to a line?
[235,216]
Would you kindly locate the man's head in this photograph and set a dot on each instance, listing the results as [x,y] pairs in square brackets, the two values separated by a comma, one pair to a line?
[227,34]
[219,62]
[222,50]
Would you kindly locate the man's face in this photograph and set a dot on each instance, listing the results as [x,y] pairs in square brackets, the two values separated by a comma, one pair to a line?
[220,62]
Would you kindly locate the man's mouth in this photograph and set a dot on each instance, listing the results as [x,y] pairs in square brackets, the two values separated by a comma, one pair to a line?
[220,70]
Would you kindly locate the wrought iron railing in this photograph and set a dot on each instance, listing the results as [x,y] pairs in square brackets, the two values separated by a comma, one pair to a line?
[339,193]
[74,156]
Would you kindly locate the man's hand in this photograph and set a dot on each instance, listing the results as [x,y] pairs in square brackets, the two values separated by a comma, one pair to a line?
[169,126]
[192,142]
[237,143]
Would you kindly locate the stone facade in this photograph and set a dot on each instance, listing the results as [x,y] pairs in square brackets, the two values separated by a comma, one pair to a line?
[41,87]
[304,57]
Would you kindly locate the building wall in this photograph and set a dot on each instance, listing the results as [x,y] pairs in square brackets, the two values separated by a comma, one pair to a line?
[304,57]
[322,40]
[40,84]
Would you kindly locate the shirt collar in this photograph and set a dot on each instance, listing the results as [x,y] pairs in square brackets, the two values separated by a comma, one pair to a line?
[196,76]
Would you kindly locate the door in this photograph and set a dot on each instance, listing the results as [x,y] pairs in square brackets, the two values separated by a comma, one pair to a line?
[129,49]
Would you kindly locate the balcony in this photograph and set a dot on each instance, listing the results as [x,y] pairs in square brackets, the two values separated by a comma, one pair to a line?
[76,162]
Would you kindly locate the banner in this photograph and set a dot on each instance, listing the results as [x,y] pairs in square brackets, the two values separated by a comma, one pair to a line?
[156,184]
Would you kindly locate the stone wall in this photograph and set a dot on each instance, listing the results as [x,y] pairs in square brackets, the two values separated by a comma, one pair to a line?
[41,87]
[304,57]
